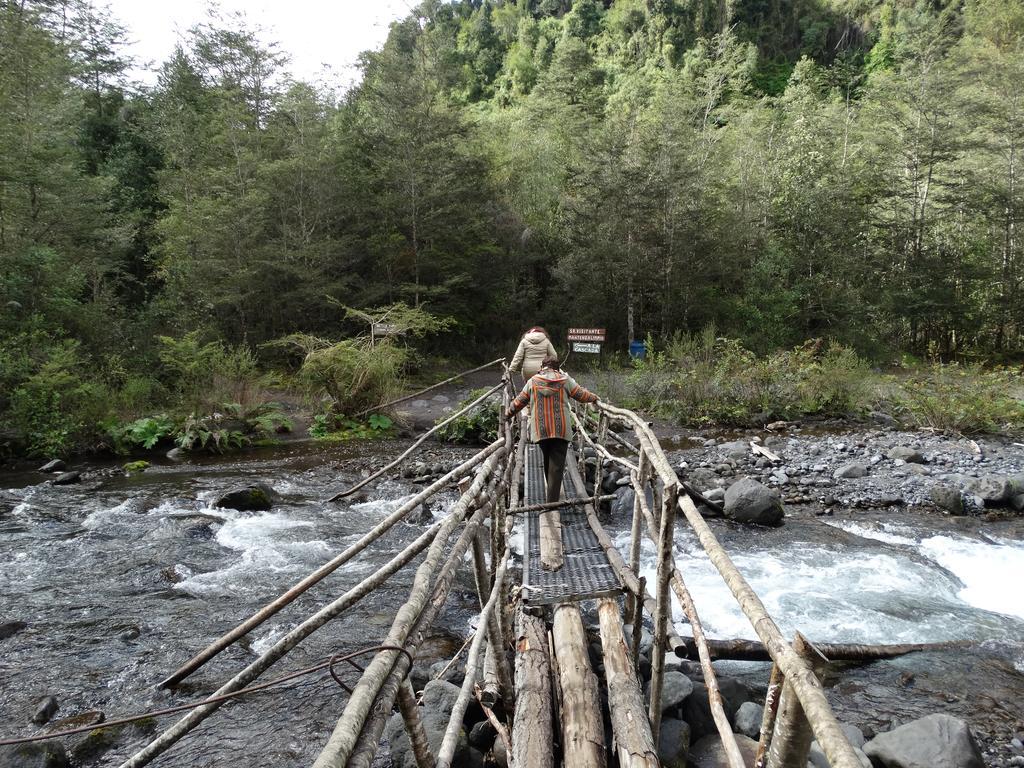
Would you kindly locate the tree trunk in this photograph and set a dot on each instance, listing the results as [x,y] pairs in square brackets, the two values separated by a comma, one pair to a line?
[582,724]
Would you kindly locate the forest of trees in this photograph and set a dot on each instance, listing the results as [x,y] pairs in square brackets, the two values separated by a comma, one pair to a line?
[783,169]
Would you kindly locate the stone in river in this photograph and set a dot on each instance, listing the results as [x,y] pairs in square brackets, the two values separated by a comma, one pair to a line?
[45,709]
[249,498]
[67,478]
[906,454]
[948,497]
[935,741]
[11,628]
[748,719]
[35,754]
[748,501]
[674,689]
[708,752]
[673,743]
[850,470]
[54,465]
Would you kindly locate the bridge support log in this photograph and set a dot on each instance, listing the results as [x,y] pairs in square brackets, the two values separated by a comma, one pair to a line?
[634,743]
[582,724]
[532,734]
[791,741]
[666,565]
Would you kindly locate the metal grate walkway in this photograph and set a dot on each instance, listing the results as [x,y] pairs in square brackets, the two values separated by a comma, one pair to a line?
[586,573]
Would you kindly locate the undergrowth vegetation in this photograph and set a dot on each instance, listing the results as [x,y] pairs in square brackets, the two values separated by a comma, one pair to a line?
[704,379]
[479,425]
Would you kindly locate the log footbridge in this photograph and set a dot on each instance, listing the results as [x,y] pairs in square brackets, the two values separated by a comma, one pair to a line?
[528,664]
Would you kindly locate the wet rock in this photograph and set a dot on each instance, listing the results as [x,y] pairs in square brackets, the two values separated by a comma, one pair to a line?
[622,504]
[249,498]
[36,754]
[1017,502]
[883,419]
[11,628]
[748,719]
[947,497]
[906,454]
[716,495]
[851,470]
[709,753]
[935,741]
[696,712]
[451,675]
[704,480]
[54,465]
[177,454]
[748,501]
[46,707]
[67,478]
[675,688]
[673,743]
[482,735]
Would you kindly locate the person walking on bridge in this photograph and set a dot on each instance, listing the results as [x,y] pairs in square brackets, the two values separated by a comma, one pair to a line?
[547,394]
[534,348]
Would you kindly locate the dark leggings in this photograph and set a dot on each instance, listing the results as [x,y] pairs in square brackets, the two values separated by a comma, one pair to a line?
[554,450]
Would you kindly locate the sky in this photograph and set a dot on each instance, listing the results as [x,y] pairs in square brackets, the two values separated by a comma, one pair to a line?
[314,33]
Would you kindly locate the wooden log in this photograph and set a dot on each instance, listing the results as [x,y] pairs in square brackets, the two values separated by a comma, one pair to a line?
[732,751]
[327,568]
[532,734]
[342,741]
[582,724]
[412,448]
[638,624]
[480,573]
[545,505]
[373,725]
[808,688]
[663,604]
[737,649]
[423,391]
[633,738]
[279,649]
[414,726]
[490,691]
[552,556]
[446,753]
[636,536]
[792,737]
[771,711]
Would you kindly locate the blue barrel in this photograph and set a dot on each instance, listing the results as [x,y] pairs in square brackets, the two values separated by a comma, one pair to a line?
[637,350]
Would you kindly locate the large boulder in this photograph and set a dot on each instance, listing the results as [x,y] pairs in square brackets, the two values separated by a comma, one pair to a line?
[67,478]
[673,743]
[748,501]
[935,741]
[738,449]
[257,497]
[816,757]
[709,753]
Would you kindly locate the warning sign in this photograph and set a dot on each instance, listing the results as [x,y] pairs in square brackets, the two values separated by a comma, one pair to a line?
[586,334]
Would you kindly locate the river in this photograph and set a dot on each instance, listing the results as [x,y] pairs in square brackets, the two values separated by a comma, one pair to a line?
[120,579]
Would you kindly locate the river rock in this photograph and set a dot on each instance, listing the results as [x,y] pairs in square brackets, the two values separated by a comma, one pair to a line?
[906,454]
[738,449]
[935,741]
[816,756]
[748,501]
[35,754]
[67,478]
[851,470]
[177,454]
[715,494]
[249,498]
[45,709]
[673,743]
[441,670]
[622,504]
[947,497]
[709,753]
[675,688]
[748,719]
[54,465]
[482,735]
[993,489]
[11,628]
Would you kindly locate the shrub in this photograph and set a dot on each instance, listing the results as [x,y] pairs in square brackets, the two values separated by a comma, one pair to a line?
[332,428]
[963,399]
[143,433]
[477,426]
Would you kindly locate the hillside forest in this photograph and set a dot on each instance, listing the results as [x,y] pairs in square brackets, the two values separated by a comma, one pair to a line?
[774,170]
